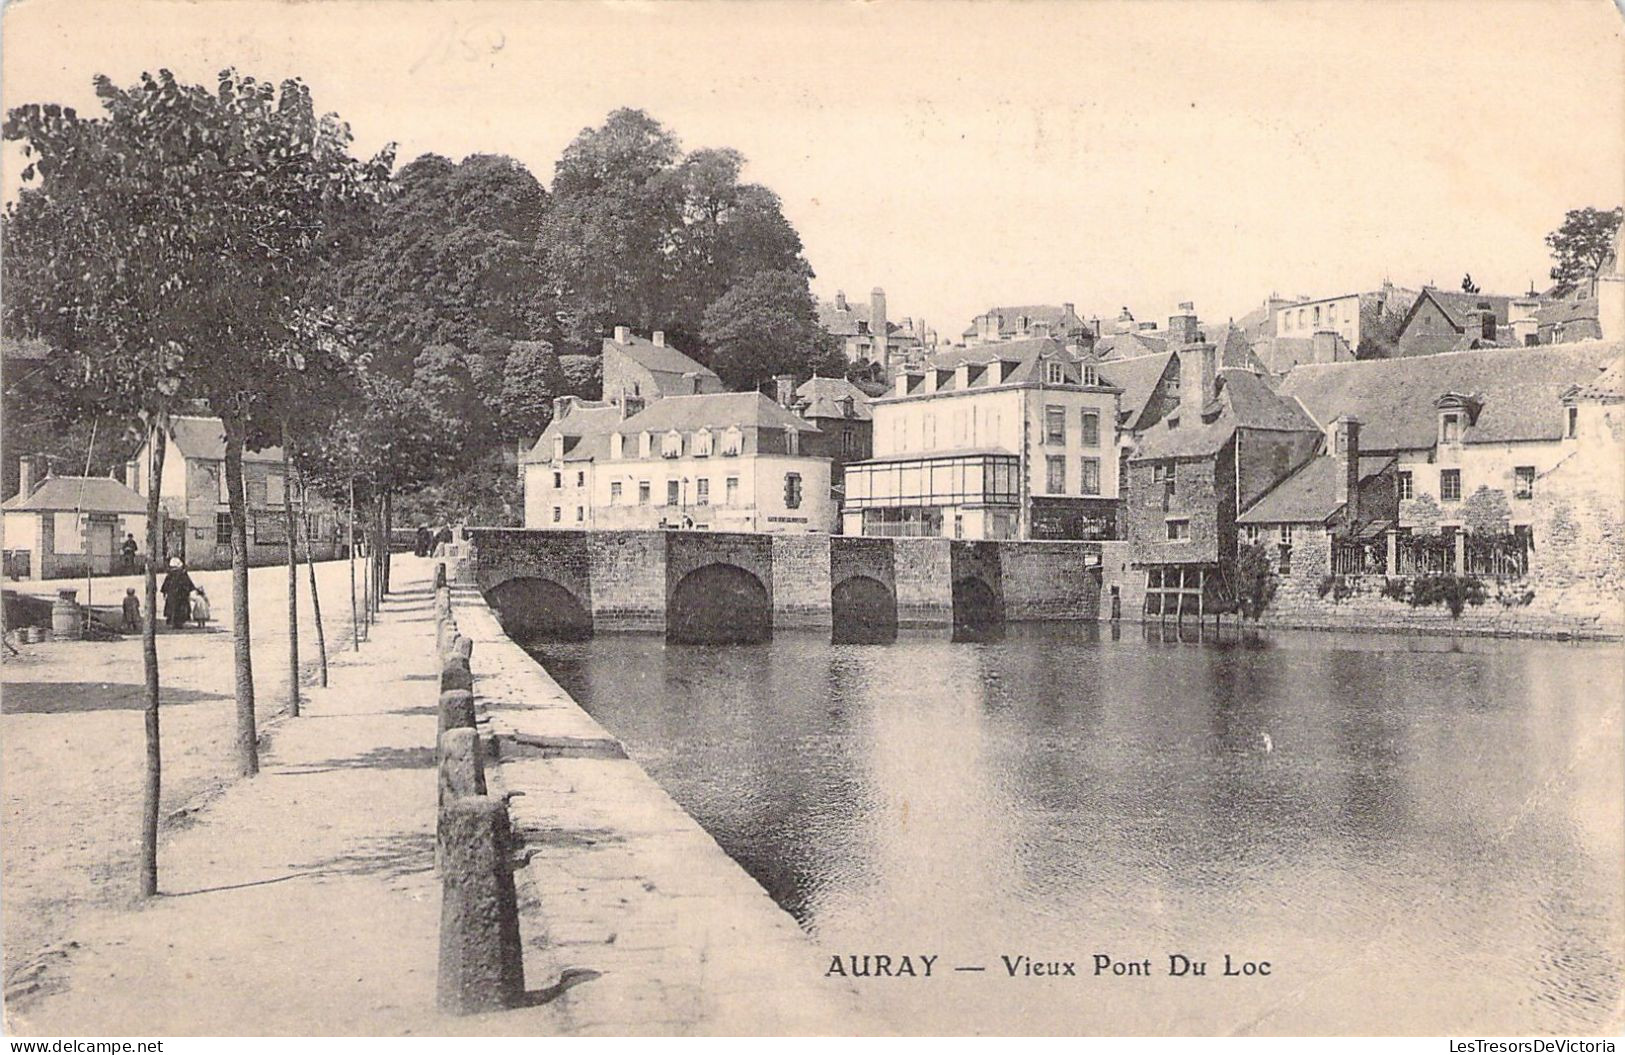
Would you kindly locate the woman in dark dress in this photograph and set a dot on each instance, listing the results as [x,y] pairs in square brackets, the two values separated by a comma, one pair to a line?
[177,591]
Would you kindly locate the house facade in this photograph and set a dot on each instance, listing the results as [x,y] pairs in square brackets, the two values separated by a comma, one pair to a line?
[1007,439]
[1230,440]
[1438,321]
[69,526]
[734,461]
[1023,322]
[868,335]
[192,494]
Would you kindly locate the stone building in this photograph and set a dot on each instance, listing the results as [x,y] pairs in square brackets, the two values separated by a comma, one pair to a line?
[638,370]
[868,335]
[1024,322]
[843,415]
[192,494]
[1438,321]
[1007,439]
[1579,503]
[1230,440]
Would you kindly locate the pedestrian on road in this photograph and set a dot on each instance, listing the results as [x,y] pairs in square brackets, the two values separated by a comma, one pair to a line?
[130,549]
[423,541]
[132,610]
[177,590]
[200,607]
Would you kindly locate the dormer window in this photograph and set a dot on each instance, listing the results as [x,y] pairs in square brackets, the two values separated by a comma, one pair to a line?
[792,441]
[1090,375]
[732,441]
[645,442]
[1054,373]
[671,444]
[1450,428]
[558,448]
[617,444]
[702,443]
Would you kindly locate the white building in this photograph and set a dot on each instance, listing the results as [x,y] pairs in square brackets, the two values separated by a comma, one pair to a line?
[1012,439]
[732,461]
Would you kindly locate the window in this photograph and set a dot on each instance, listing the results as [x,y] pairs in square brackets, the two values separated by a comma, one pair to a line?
[222,529]
[1090,375]
[730,492]
[644,443]
[959,525]
[672,492]
[849,441]
[702,443]
[1091,476]
[702,491]
[1286,534]
[558,480]
[617,446]
[1165,473]
[1317,316]
[792,490]
[558,514]
[643,492]
[1179,530]
[615,493]
[1523,481]
[1284,565]
[792,441]
[1055,475]
[1054,373]
[1574,422]
[1055,425]
[1407,488]
[225,495]
[1331,314]
[1250,533]
[1450,428]
[1091,428]
[732,440]
[1449,485]
[581,514]
[671,444]
[581,478]
[273,489]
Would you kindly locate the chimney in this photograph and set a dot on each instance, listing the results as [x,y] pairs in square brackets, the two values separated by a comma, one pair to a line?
[691,383]
[659,338]
[1125,321]
[25,476]
[623,335]
[132,475]
[784,389]
[877,323]
[840,300]
[1346,449]
[989,325]
[1182,326]
[1479,322]
[1197,371]
[1069,309]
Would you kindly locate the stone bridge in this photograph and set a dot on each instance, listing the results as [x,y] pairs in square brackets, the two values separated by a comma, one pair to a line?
[701,586]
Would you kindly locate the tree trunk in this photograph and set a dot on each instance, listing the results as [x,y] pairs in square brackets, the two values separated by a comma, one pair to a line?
[387,532]
[153,785]
[290,530]
[310,565]
[349,548]
[248,755]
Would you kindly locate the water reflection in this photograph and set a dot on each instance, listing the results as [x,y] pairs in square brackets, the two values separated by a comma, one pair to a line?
[1426,835]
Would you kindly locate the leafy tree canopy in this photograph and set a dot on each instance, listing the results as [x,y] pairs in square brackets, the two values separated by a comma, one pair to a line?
[1583,244]
[767,325]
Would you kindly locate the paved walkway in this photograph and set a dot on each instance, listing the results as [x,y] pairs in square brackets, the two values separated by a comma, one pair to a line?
[304,901]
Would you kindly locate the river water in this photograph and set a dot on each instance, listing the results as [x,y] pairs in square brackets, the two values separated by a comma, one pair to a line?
[1417,834]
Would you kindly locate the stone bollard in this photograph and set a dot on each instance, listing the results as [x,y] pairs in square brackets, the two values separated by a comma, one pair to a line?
[445,636]
[462,764]
[442,604]
[454,674]
[463,648]
[456,709]
[439,574]
[481,961]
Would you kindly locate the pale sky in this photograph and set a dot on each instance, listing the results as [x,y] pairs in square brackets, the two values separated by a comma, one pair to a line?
[969,154]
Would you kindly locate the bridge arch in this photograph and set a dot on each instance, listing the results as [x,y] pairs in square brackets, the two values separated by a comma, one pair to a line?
[717,604]
[531,608]
[978,610]
[863,611]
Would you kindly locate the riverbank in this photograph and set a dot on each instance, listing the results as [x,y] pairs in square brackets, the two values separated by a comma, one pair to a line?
[304,901]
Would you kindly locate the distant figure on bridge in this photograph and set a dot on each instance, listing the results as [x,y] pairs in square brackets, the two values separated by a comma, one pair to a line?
[442,539]
[423,541]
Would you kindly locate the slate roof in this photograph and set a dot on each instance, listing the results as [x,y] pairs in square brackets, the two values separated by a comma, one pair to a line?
[717,410]
[822,397]
[1128,346]
[1566,311]
[1138,378]
[657,358]
[1026,354]
[1054,314]
[1308,495]
[88,494]
[205,439]
[1519,388]
[1608,386]
[588,424]
[1244,401]
[1234,351]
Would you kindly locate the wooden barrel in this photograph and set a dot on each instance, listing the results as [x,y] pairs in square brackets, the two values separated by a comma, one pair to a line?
[65,624]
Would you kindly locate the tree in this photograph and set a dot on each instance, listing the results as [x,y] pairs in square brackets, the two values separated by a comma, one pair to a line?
[583,375]
[1486,512]
[1583,244]
[1254,579]
[641,234]
[104,251]
[763,326]
[531,377]
[1421,514]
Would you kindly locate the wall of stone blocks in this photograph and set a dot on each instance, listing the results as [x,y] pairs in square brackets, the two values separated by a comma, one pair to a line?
[629,574]
[801,580]
[1046,580]
[924,575]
